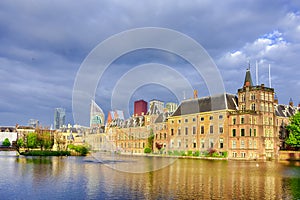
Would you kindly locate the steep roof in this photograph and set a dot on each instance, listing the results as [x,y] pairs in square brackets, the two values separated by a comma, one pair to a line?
[285,110]
[205,104]
[248,79]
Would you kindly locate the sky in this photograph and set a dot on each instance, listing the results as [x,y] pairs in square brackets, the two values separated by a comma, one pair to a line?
[44,43]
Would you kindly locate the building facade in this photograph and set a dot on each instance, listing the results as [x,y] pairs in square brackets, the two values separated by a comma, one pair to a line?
[140,107]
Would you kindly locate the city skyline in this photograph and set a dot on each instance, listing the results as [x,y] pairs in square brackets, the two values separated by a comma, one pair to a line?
[41,52]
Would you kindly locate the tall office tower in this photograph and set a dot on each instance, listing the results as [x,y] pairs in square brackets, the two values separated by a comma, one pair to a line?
[140,107]
[96,116]
[59,117]
[156,106]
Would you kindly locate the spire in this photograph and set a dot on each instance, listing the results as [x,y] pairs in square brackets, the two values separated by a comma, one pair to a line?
[248,79]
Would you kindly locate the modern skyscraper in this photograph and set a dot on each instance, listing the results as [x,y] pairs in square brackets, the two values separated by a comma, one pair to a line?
[59,117]
[33,123]
[140,107]
[96,116]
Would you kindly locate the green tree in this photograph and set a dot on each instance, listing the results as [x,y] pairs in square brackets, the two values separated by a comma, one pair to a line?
[20,143]
[293,139]
[44,140]
[151,139]
[32,140]
[6,142]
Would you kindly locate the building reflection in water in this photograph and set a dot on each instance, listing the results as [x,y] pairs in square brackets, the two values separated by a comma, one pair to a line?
[184,179]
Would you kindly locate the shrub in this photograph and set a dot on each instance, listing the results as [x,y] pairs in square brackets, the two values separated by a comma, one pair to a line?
[46,153]
[176,153]
[197,153]
[82,150]
[6,142]
[190,153]
[170,152]
[147,150]
[215,154]
[182,153]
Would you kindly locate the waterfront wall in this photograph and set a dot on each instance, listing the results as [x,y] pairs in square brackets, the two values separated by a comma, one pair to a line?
[289,155]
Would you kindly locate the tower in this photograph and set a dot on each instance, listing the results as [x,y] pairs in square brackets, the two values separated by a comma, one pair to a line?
[59,117]
[96,116]
[140,107]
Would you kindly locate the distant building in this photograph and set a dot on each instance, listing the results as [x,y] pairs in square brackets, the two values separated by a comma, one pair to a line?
[59,117]
[140,107]
[156,106]
[96,116]
[8,132]
[171,107]
[33,123]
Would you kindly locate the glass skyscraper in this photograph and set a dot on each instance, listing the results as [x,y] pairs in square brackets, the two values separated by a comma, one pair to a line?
[59,117]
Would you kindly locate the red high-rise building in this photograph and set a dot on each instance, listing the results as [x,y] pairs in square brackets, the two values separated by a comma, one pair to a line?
[140,107]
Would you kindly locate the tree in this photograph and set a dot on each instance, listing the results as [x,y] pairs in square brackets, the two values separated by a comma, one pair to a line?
[32,140]
[293,139]
[6,142]
[151,139]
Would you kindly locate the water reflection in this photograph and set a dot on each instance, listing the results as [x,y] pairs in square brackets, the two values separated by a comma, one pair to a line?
[87,178]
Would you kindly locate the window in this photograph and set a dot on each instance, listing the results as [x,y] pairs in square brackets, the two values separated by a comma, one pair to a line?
[211,129]
[252,97]
[242,120]
[194,119]
[194,144]
[211,117]
[243,107]
[221,143]
[186,130]
[233,144]
[211,143]
[220,129]
[172,121]
[234,121]
[243,155]
[202,143]
[254,132]
[243,98]
[250,144]
[202,119]
[186,143]
[172,131]
[194,130]
[179,143]
[253,106]
[202,129]
[233,132]
[234,154]
[254,144]
[242,144]
[186,120]
[179,121]
[220,116]
[250,132]
[242,132]
[179,131]
[165,136]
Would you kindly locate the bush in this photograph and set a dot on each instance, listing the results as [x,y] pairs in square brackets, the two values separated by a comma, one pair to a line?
[176,153]
[197,153]
[82,150]
[215,154]
[182,153]
[147,150]
[190,153]
[46,153]
[170,152]
[6,142]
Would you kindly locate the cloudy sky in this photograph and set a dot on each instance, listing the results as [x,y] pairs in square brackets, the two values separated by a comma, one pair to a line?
[44,43]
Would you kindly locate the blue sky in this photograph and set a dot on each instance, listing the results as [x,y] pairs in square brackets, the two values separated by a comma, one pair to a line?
[43,44]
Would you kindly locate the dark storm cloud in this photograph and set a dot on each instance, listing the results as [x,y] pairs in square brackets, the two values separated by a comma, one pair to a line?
[43,44]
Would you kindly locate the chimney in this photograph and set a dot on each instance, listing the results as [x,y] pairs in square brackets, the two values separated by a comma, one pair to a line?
[195,94]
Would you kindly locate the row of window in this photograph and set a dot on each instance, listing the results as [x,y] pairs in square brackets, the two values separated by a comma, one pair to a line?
[252,132]
[133,145]
[194,119]
[263,97]
[252,144]
[202,130]
[210,144]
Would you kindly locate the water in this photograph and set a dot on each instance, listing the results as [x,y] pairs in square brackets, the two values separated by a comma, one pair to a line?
[87,178]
